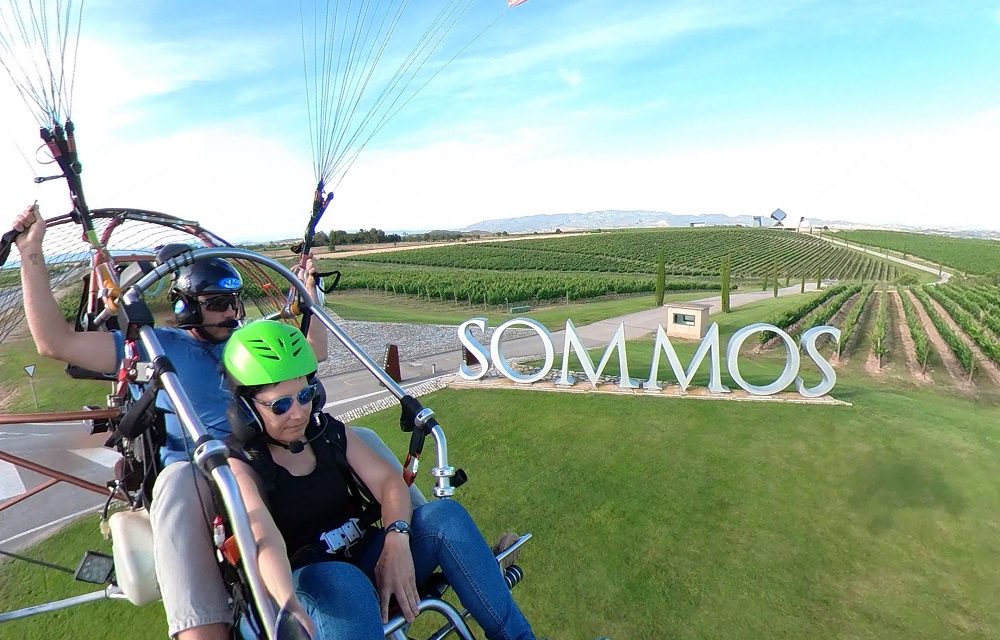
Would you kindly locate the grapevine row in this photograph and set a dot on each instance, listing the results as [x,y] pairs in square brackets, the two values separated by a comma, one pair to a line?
[788,318]
[831,308]
[694,252]
[477,287]
[977,305]
[956,344]
[921,343]
[986,342]
[850,324]
[880,332]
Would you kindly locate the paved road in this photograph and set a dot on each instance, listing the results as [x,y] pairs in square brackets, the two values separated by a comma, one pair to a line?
[67,447]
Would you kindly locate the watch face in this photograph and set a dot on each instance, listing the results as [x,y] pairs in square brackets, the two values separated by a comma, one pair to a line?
[400,525]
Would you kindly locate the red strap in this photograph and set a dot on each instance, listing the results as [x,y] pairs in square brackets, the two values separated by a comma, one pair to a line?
[410,468]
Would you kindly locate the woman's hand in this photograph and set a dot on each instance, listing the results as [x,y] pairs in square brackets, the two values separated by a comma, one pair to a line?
[394,576]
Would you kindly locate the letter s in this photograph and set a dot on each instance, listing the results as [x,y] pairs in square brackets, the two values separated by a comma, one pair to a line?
[829,376]
[477,350]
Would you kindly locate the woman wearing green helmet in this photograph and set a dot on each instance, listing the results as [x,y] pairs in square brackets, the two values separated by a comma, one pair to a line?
[304,477]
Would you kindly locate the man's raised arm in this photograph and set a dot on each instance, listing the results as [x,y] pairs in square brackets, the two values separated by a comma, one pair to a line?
[54,337]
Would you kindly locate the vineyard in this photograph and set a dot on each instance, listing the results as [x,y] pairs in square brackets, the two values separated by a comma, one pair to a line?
[956,326]
[608,263]
[496,288]
[964,254]
[692,252]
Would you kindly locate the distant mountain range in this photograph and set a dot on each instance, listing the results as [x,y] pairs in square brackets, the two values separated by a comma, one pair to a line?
[615,219]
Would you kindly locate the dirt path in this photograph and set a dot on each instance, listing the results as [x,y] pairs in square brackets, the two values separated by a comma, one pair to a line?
[910,349]
[863,330]
[838,321]
[983,363]
[838,318]
[948,359]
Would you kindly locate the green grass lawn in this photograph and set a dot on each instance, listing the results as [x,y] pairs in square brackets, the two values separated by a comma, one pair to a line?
[23,584]
[671,518]
[378,307]
[56,391]
[657,518]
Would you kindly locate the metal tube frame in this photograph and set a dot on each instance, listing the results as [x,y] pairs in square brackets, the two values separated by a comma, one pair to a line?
[442,473]
[222,474]
[456,624]
[56,605]
[223,477]
[54,476]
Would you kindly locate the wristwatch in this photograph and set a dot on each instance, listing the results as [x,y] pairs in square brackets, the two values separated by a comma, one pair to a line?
[399,526]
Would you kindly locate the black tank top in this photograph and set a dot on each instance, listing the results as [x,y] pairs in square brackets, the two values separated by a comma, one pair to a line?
[303,507]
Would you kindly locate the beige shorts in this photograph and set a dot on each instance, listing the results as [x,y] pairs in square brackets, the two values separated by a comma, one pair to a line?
[186,569]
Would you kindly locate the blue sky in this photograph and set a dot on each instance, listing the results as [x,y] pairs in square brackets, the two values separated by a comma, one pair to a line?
[881,111]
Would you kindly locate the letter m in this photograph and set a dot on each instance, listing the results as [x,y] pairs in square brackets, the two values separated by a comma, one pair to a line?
[709,345]
[573,341]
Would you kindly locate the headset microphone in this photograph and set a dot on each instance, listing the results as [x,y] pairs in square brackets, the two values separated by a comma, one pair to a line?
[299,446]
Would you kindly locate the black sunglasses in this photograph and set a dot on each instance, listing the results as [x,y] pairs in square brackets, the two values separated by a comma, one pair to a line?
[281,406]
[222,302]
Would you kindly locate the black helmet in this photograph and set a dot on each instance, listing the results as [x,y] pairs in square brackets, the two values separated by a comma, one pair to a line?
[207,276]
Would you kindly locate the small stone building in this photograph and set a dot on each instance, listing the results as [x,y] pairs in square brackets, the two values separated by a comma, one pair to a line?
[687,320]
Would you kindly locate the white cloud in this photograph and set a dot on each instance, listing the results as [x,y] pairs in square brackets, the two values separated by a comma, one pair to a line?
[571,77]
[916,177]
[921,177]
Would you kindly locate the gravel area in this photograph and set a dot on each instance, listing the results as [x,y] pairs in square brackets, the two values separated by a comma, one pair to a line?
[414,341]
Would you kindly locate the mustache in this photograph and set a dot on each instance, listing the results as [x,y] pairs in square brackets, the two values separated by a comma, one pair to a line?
[231,323]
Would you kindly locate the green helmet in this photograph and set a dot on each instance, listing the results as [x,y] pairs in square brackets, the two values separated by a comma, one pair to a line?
[267,352]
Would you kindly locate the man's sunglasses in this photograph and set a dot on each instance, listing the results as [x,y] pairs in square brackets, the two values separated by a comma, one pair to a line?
[221,303]
[281,406]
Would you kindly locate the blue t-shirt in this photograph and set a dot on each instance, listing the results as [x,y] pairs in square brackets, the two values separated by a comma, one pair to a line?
[199,368]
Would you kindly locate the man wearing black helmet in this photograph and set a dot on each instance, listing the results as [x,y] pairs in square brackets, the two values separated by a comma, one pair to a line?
[207,309]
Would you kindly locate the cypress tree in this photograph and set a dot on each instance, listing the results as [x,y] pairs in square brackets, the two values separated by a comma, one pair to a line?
[661,278]
[726,268]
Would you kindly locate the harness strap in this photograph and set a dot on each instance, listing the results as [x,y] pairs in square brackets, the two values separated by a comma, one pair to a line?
[330,449]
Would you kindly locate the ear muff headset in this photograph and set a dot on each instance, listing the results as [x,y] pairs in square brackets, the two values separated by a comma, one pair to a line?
[244,419]
[187,311]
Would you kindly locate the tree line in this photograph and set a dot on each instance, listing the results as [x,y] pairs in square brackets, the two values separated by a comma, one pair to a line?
[340,237]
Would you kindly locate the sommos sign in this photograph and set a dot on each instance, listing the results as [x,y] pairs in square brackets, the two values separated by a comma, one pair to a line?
[708,348]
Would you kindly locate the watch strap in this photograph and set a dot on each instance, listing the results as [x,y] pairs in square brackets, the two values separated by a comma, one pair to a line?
[399,526]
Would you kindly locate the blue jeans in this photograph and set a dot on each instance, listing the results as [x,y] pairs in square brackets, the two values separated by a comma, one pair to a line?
[344,604]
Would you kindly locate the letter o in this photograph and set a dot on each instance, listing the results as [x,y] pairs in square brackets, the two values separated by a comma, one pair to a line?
[500,362]
[791,360]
